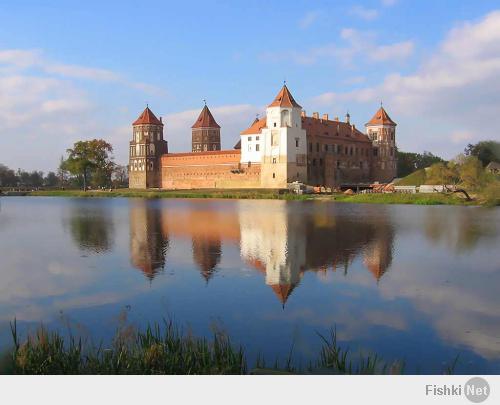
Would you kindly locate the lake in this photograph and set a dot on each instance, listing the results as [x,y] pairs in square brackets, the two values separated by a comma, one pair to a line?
[419,284]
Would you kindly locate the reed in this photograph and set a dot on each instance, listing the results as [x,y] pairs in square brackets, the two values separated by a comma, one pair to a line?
[164,349]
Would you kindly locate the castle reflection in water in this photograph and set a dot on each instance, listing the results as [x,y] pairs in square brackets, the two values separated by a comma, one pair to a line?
[280,239]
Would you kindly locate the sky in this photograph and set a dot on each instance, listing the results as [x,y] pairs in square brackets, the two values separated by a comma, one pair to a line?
[73,70]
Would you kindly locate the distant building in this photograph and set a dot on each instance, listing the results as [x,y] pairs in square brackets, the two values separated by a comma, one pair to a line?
[493,167]
[284,146]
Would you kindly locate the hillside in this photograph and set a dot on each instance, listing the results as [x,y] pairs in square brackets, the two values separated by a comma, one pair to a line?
[416,178]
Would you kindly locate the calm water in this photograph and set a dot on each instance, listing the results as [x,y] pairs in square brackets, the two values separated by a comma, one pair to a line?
[415,283]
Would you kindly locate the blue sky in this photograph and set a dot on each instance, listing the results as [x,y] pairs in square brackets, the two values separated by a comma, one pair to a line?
[79,70]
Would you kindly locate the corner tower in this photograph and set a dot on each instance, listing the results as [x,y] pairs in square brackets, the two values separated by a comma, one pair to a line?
[284,149]
[146,147]
[381,130]
[205,132]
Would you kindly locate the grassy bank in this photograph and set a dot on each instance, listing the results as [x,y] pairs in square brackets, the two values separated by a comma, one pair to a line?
[209,193]
[395,198]
[165,350]
[398,198]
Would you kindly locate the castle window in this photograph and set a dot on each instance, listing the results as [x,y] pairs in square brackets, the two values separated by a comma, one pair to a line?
[375,152]
[314,162]
[317,147]
[274,139]
[346,151]
[274,160]
[326,147]
[310,147]
[274,175]
[249,148]
[360,164]
[257,147]
[257,138]
[338,164]
[274,125]
[249,139]
[296,142]
[321,162]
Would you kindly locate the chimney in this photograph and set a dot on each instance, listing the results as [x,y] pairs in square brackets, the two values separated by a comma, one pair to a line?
[316,115]
[325,117]
[348,118]
[161,119]
[303,113]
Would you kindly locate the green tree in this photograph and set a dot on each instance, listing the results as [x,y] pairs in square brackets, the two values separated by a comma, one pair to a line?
[471,173]
[8,177]
[90,159]
[485,151]
[408,162]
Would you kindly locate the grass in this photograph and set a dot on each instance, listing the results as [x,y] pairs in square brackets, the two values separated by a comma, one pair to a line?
[417,178]
[208,193]
[400,198]
[164,349]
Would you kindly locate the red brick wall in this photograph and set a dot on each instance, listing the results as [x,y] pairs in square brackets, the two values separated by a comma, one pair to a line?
[217,169]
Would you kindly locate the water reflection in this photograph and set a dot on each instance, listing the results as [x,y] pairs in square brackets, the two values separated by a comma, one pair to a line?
[275,238]
[91,226]
[148,240]
[461,230]
[393,279]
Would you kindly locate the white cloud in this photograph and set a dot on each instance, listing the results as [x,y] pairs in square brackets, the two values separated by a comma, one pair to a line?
[44,108]
[364,13]
[356,44]
[453,95]
[308,19]
[20,59]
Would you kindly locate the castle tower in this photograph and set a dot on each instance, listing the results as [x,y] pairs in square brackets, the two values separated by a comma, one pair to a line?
[205,132]
[146,148]
[382,132]
[283,143]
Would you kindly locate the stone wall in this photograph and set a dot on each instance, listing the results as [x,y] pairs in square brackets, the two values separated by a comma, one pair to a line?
[216,169]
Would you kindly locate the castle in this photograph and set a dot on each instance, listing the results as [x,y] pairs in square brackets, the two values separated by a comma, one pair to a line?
[283,147]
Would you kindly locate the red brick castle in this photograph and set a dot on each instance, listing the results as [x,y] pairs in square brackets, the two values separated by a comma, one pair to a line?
[283,147]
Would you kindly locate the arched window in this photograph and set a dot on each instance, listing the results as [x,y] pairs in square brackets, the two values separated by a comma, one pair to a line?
[285,118]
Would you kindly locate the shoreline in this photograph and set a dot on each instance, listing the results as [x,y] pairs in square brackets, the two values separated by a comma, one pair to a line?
[386,198]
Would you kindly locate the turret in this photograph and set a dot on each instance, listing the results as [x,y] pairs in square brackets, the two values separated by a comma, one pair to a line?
[205,132]
[146,147]
[381,129]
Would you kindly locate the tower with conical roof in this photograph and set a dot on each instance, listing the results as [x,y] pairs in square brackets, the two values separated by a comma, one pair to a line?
[205,132]
[283,143]
[381,130]
[146,147]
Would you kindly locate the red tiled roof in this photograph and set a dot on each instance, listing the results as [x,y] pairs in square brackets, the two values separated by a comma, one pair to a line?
[205,120]
[321,127]
[284,99]
[147,117]
[256,127]
[316,127]
[381,118]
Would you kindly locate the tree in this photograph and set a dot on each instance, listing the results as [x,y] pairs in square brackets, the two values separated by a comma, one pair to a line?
[50,180]
[7,177]
[90,159]
[408,162]
[120,176]
[471,173]
[485,151]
